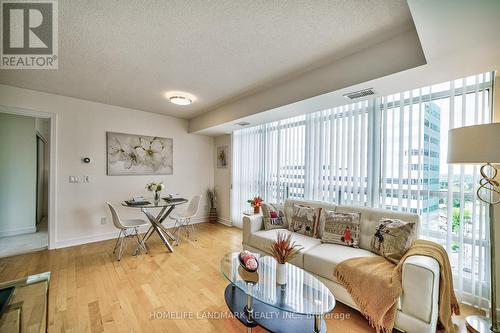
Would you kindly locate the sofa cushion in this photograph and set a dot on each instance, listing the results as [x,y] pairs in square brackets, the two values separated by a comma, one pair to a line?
[263,239]
[274,216]
[322,259]
[392,238]
[370,217]
[305,220]
[340,228]
[314,204]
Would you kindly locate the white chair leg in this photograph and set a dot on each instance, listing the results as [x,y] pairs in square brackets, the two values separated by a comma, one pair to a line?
[139,240]
[117,240]
[195,234]
[192,229]
[177,231]
[120,252]
[185,227]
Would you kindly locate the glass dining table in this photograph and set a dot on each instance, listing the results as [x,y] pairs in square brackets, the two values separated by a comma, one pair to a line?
[166,207]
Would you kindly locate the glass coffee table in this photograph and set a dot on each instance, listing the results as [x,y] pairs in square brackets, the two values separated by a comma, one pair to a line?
[256,299]
[24,304]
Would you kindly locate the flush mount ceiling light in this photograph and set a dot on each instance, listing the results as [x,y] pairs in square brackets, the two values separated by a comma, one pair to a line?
[243,123]
[179,98]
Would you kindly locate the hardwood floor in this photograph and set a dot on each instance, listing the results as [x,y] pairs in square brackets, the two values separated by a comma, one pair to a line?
[92,292]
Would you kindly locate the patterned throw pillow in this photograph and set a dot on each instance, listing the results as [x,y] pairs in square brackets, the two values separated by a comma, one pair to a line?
[392,238]
[341,228]
[274,216]
[305,220]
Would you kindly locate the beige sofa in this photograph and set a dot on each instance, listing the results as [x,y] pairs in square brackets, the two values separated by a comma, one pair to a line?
[418,305]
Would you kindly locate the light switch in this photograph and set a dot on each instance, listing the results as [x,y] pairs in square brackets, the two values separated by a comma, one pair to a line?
[73,179]
[86,179]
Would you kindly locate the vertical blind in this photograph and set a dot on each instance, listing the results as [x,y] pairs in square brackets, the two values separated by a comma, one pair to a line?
[313,156]
[415,176]
[387,152]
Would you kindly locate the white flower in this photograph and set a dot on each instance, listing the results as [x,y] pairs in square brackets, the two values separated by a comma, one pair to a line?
[155,186]
[154,153]
[123,152]
[149,152]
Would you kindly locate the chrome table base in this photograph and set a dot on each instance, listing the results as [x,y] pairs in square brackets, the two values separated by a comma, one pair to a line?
[251,313]
[156,226]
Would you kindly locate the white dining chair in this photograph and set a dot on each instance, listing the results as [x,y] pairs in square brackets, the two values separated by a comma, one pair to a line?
[183,219]
[128,228]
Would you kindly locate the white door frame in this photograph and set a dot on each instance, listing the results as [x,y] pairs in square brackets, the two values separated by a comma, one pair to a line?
[52,218]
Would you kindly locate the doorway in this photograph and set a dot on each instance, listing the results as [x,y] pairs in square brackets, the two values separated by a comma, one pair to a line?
[24,183]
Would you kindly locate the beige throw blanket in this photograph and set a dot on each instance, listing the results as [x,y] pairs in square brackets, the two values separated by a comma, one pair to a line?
[375,285]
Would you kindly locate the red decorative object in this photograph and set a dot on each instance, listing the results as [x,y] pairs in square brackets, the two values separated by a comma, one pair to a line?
[283,249]
[256,203]
[248,261]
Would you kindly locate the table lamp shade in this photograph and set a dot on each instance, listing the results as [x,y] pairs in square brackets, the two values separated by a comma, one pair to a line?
[474,144]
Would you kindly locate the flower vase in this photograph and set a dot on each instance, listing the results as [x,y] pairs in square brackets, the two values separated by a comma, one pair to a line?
[256,209]
[281,273]
[157,197]
[212,215]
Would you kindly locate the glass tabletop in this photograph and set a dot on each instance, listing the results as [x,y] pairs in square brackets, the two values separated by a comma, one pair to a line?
[26,310]
[164,202]
[303,294]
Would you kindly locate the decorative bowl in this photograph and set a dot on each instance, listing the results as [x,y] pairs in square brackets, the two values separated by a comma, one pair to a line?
[242,263]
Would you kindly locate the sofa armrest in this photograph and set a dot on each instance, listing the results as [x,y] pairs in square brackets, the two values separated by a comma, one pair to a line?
[421,288]
[251,224]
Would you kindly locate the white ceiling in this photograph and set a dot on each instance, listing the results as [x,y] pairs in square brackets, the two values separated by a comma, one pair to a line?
[457,27]
[458,37]
[129,53]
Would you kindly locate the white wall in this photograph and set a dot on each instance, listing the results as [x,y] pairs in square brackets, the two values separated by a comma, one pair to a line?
[17,175]
[222,180]
[43,127]
[81,131]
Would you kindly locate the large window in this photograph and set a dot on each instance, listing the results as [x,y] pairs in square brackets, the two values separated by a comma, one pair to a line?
[387,152]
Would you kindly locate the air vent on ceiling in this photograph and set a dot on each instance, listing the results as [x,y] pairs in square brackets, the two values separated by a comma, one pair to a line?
[360,93]
[243,123]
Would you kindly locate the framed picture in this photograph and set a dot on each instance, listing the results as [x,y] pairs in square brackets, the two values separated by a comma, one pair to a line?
[222,158]
[130,154]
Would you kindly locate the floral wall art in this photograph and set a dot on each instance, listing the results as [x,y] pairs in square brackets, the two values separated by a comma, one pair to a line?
[129,154]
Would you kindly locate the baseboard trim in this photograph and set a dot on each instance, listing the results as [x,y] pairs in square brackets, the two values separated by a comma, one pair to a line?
[114,234]
[225,221]
[18,231]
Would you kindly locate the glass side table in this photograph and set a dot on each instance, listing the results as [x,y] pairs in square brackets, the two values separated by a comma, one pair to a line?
[27,308]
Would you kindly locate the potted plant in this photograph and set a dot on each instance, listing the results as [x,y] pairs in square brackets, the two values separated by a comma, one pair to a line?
[212,200]
[256,202]
[155,187]
[283,250]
